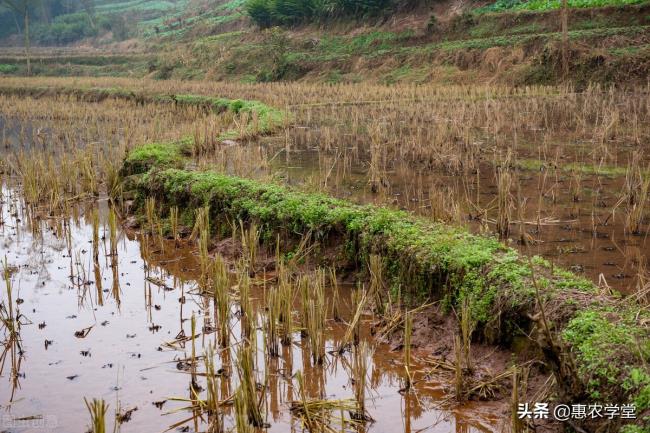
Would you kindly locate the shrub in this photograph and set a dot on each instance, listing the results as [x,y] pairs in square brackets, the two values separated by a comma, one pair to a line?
[287,12]
[360,8]
[7,68]
[121,27]
[432,25]
[266,13]
[72,27]
[260,12]
[65,29]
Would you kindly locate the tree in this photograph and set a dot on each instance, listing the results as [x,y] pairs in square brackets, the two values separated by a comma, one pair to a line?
[89,7]
[22,7]
[260,12]
[565,39]
[7,15]
[267,13]
[289,12]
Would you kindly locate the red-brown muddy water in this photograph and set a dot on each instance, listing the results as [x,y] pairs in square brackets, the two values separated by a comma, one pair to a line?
[585,234]
[122,358]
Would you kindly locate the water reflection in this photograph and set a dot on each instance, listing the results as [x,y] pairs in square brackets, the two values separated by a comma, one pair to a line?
[117,310]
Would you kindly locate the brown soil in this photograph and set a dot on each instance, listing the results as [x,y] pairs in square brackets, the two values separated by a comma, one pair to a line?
[433,342]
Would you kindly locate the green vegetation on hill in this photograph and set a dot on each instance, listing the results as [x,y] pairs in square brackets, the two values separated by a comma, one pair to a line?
[68,28]
[139,6]
[266,13]
[544,5]
[215,40]
[193,20]
[59,23]
[80,65]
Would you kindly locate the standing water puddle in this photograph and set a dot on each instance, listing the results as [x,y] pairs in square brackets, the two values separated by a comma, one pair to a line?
[98,330]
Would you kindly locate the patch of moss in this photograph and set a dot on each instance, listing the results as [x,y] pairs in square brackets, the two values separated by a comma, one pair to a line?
[608,343]
[630,50]
[8,68]
[143,158]
[633,428]
[639,379]
[537,165]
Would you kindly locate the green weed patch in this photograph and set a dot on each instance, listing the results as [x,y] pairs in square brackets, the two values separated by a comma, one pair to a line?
[545,5]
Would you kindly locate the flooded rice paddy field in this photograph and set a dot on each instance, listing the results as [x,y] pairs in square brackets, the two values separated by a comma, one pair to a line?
[577,219]
[106,313]
[111,328]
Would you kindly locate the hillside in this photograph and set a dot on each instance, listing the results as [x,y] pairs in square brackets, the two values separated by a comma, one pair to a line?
[448,42]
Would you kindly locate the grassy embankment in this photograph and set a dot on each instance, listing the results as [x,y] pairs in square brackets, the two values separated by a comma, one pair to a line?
[79,64]
[604,336]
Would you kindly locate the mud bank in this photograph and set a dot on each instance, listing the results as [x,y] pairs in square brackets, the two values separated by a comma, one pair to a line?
[595,343]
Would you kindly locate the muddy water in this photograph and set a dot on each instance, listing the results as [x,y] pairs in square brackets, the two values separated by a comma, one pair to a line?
[133,302]
[576,222]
